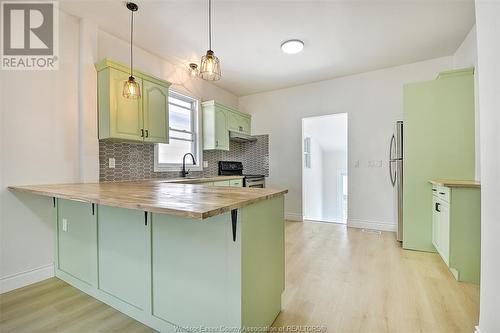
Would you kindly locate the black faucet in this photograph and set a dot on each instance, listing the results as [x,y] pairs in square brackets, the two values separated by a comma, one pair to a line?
[184,173]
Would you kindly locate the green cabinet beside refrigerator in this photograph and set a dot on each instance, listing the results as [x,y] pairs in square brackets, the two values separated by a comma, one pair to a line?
[141,120]
[456,230]
[438,143]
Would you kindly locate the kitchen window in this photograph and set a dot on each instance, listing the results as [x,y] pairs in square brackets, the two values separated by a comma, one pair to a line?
[184,135]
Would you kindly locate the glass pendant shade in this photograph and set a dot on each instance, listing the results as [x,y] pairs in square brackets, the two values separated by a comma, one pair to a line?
[193,70]
[131,89]
[210,67]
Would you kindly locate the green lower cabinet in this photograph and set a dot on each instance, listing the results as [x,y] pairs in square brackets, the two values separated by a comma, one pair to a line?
[456,230]
[222,183]
[76,239]
[174,273]
[123,254]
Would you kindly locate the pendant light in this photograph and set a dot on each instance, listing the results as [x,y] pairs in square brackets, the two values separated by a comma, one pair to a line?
[131,88]
[210,65]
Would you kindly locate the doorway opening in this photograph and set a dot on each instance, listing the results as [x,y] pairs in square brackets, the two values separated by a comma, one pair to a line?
[324,168]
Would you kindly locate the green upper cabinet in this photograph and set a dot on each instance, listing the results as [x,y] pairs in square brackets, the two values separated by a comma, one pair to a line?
[218,120]
[142,120]
[155,105]
[438,143]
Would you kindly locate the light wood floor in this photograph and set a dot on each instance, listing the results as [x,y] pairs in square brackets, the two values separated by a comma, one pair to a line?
[342,279]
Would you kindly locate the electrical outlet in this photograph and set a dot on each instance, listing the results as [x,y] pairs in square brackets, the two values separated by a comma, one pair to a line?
[205,164]
[378,164]
[112,163]
[64,224]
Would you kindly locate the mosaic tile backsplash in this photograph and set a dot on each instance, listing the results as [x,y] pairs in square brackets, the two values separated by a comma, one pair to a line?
[136,161]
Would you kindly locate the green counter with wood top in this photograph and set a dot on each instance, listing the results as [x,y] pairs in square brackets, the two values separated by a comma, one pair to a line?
[172,256]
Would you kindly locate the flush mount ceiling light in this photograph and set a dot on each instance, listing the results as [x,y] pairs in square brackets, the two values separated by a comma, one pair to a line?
[292,46]
[131,88]
[210,65]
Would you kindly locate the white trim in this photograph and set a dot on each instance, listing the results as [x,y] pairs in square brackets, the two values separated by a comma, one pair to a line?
[375,225]
[293,217]
[477,330]
[18,280]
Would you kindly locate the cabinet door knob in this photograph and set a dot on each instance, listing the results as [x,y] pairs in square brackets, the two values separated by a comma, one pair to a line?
[217,143]
[142,132]
[437,207]
[147,133]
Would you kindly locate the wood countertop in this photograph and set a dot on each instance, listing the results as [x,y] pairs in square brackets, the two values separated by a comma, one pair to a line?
[456,183]
[158,196]
[188,180]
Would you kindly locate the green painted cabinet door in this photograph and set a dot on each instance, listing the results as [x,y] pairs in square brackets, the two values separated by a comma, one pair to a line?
[191,262]
[76,239]
[155,108]
[122,116]
[221,131]
[435,222]
[444,231]
[123,252]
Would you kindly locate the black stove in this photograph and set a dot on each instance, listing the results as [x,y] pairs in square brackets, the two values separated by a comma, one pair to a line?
[232,168]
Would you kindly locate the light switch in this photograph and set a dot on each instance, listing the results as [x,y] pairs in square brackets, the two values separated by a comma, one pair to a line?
[112,163]
[356,164]
[205,164]
[378,164]
[64,224]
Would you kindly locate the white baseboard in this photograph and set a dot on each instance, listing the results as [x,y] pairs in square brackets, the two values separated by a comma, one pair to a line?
[22,279]
[375,225]
[293,217]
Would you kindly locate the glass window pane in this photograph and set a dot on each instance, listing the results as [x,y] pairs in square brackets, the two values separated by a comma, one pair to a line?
[179,118]
[179,102]
[181,135]
[174,151]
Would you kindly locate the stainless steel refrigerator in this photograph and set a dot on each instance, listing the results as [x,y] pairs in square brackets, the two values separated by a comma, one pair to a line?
[396,173]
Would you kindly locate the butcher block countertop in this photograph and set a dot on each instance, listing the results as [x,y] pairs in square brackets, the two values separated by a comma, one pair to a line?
[456,183]
[158,196]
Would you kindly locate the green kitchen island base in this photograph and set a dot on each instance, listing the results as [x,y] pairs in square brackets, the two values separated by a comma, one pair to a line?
[175,273]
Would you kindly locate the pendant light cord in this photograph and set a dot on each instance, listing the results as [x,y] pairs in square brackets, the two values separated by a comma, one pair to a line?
[132,45]
[209,24]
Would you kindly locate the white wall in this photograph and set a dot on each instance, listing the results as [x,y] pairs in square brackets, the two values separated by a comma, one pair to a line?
[39,137]
[488,26]
[49,135]
[313,181]
[373,102]
[334,164]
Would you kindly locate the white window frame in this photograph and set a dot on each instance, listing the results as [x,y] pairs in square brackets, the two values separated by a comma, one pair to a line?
[197,138]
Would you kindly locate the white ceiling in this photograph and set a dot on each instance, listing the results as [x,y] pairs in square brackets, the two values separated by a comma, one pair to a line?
[341,37]
[329,131]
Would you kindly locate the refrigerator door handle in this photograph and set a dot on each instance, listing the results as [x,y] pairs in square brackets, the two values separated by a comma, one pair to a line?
[392,174]
[391,160]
